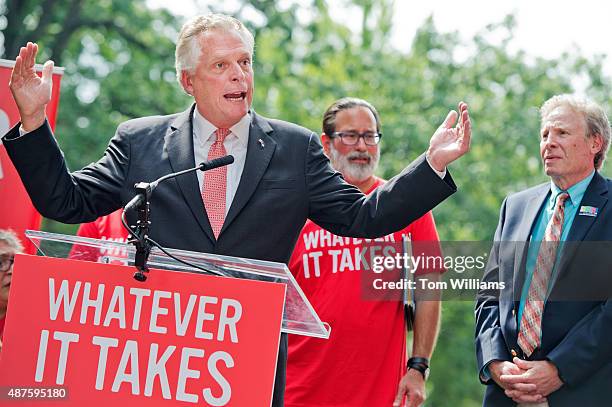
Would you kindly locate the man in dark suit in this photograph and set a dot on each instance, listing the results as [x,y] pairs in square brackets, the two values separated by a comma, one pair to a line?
[544,339]
[253,208]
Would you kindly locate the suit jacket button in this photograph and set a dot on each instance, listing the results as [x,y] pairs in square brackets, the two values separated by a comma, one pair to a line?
[514,354]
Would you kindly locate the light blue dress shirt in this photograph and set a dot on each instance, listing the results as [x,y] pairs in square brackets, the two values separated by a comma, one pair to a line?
[576,193]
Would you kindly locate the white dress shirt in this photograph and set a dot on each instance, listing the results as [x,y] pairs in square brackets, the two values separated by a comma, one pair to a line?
[235,144]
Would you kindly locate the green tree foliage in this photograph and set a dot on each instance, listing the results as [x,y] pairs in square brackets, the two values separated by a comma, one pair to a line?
[119,61]
[413,93]
[119,58]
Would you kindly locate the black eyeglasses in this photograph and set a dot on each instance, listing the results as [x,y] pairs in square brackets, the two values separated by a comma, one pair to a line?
[350,138]
[6,262]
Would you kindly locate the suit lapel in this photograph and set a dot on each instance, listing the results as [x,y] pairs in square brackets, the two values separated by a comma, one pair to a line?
[179,146]
[596,196]
[259,153]
[532,209]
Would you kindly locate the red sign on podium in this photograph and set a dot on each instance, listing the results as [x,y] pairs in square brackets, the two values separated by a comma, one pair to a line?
[88,334]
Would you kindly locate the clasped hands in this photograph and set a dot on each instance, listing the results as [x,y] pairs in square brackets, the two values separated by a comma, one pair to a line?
[526,381]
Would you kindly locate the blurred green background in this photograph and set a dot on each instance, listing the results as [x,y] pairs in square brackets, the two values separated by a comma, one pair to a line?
[119,60]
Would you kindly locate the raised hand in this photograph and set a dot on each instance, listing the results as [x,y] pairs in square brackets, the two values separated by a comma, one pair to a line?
[449,143]
[31,93]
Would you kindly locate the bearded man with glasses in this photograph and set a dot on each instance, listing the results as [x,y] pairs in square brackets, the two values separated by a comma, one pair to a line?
[363,363]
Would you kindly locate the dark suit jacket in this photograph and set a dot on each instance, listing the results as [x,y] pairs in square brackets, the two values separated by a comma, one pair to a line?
[283,183]
[577,318]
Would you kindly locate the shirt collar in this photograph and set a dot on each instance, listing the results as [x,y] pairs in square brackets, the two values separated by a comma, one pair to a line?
[377,182]
[205,129]
[576,191]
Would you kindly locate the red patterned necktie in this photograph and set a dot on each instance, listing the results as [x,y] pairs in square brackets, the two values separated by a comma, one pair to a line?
[530,333]
[215,184]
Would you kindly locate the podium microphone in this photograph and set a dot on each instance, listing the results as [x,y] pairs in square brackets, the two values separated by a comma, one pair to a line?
[140,236]
[216,162]
[146,189]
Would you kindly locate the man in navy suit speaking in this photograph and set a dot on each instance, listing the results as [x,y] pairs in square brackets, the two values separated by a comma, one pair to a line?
[544,340]
[253,208]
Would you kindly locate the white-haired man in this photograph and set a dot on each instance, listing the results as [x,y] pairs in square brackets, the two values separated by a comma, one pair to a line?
[544,340]
[280,176]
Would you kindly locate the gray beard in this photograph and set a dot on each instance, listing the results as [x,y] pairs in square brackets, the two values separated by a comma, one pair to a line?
[353,172]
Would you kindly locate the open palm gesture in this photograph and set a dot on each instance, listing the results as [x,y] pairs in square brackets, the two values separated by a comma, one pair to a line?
[31,92]
[449,143]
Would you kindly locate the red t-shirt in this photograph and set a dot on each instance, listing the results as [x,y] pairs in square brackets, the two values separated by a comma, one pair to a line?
[107,227]
[364,358]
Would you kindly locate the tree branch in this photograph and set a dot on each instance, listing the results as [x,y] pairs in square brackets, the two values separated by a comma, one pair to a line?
[72,23]
[111,26]
[47,15]
[15,13]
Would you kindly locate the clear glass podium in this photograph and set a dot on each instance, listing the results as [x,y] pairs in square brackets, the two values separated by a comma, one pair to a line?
[298,317]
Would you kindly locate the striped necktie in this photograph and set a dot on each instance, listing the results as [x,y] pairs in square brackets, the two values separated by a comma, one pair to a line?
[530,333]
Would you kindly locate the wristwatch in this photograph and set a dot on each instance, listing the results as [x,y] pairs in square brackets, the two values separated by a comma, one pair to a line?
[421,365]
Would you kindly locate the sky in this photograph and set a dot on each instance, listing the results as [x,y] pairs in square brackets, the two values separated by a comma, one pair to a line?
[545,28]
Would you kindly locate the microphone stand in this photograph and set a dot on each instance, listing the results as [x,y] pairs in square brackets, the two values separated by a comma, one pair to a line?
[141,202]
[139,237]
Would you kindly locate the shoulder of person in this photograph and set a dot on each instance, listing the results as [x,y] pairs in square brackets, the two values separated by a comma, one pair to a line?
[280,129]
[148,122]
[529,192]
[152,125]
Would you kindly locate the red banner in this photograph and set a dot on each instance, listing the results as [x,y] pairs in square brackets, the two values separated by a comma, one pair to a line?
[88,334]
[16,209]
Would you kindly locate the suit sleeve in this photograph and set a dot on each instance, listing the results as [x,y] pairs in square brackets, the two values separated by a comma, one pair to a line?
[56,193]
[489,338]
[587,346]
[343,210]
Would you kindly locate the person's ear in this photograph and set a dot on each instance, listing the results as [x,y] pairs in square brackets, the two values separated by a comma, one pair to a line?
[326,141]
[596,143]
[187,82]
